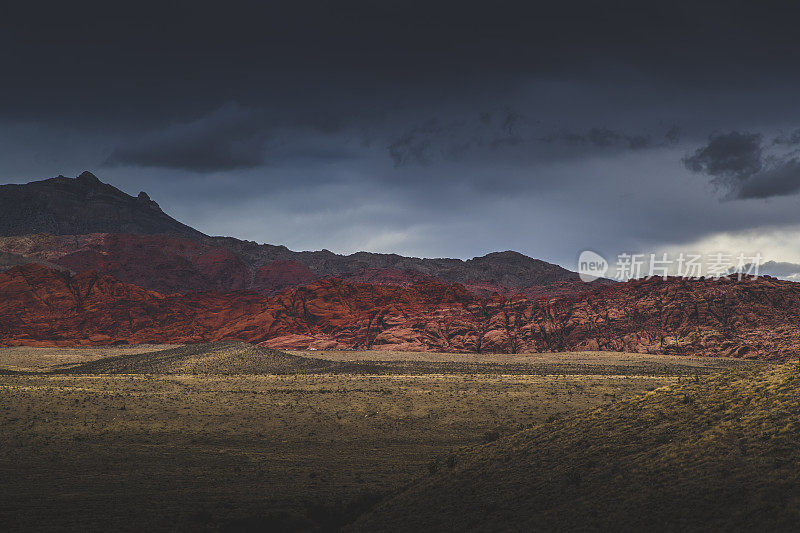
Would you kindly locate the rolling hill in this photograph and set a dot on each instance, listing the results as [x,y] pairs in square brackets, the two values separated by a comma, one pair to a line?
[718,453]
[224,357]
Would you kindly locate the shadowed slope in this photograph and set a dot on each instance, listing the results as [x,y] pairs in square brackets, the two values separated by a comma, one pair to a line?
[176,263]
[719,453]
[224,357]
[75,206]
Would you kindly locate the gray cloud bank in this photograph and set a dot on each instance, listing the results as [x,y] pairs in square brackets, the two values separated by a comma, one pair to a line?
[415,127]
[509,131]
[228,138]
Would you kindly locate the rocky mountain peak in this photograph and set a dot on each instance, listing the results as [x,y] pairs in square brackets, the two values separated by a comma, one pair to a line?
[88,178]
[144,199]
[79,206]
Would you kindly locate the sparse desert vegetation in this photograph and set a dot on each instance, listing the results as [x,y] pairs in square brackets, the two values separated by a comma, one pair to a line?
[715,453]
[192,448]
[30,359]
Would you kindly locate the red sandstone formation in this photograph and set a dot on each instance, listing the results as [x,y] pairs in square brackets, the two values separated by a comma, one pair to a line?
[754,318]
[280,275]
[145,277]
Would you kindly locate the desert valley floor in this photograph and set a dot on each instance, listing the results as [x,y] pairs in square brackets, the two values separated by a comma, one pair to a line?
[230,436]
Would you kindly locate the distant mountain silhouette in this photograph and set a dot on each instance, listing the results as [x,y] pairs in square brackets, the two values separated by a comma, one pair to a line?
[77,206]
[84,224]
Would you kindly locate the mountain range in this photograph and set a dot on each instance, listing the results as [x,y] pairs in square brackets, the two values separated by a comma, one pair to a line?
[82,223]
[86,263]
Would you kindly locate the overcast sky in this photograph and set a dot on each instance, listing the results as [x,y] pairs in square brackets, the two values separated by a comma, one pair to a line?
[423,128]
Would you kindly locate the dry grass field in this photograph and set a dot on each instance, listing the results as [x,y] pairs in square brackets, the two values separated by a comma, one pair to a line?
[25,358]
[716,453]
[192,448]
[567,363]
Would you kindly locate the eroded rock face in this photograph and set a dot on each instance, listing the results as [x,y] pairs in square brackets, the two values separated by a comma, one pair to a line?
[279,275]
[40,306]
[754,318]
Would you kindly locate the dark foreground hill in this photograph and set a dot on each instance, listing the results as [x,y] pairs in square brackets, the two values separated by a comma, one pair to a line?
[224,357]
[719,453]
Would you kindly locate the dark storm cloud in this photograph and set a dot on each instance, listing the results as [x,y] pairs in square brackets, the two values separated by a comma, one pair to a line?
[476,125]
[602,137]
[791,139]
[506,133]
[93,60]
[673,135]
[229,138]
[608,138]
[414,146]
[777,178]
[731,156]
[739,165]
[456,138]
